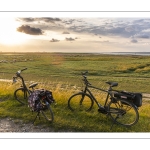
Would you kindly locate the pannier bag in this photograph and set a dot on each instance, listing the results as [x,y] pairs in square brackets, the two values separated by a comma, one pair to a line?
[136,98]
[37,95]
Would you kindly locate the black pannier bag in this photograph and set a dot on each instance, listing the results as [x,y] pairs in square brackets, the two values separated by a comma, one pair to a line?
[136,98]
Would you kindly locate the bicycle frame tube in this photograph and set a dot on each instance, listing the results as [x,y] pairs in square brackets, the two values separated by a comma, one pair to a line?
[109,93]
[23,83]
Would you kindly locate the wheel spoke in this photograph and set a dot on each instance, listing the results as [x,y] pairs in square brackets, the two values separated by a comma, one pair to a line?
[21,95]
[123,112]
[80,102]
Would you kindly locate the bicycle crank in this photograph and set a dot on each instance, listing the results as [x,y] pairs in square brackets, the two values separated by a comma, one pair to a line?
[102,110]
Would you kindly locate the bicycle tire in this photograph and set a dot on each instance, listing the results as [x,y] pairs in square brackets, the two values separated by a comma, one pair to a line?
[48,113]
[80,101]
[123,112]
[21,95]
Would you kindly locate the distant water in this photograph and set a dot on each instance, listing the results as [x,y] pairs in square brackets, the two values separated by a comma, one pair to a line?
[129,53]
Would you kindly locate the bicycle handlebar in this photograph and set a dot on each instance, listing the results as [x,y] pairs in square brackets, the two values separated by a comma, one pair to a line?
[23,69]
[19,71]
[85,78]
[18,75]
[84,73]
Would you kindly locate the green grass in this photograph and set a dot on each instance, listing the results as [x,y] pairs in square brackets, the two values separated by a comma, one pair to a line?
[61,73]
[66,120]
[66,68]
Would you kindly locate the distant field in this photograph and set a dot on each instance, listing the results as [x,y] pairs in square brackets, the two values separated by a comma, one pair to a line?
[132,72]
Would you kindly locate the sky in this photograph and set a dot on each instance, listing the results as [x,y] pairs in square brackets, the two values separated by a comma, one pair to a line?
[74,34]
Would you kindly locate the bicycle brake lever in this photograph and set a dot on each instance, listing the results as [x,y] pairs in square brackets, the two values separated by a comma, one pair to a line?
[14,80]
[23,69]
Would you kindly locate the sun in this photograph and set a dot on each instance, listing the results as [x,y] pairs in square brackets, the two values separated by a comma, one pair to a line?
[8,33]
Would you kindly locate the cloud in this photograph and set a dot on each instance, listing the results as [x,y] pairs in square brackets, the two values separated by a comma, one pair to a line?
[117,27]
[25,19]
[45,19]
[46,24]
[70,39]
[117,30]
[48,19]
[54,40]
[69,22]
[65,32]
[138,21]
[143,36]
[129,29]
[146,31]
[134,41]
[29,30]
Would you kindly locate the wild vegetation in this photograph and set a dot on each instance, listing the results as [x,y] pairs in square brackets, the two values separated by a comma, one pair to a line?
[61,73]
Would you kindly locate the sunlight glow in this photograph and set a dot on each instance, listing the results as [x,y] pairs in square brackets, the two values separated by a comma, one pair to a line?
[8,33]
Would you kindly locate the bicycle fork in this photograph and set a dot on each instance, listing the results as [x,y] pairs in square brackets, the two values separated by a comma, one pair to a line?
[83,95]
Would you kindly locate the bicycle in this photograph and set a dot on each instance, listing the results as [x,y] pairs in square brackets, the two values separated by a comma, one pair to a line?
[21,94]
[120,110]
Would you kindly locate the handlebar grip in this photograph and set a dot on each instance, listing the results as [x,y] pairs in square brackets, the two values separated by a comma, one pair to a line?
[18,72]
[23,69]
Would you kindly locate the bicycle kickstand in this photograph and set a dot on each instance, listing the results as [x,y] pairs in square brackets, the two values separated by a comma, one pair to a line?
[38,115]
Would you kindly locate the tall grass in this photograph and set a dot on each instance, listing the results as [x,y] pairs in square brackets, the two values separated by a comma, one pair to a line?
[64,119]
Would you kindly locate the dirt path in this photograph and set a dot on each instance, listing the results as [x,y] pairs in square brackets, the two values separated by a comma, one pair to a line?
[146,96]
[16,125]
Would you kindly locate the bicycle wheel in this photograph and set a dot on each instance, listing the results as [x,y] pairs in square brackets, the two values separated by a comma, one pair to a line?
[47,112]
[21,95]
[123,112]
[80,101]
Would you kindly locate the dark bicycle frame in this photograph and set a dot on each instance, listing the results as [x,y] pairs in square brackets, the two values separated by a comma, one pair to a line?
[87,91]
[109,93]
[26,90]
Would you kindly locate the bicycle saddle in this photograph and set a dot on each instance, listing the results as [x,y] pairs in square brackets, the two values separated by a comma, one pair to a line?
[33,85]
[112,84]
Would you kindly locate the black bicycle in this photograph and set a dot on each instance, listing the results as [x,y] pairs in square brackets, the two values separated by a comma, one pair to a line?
[122,111]
[21,94]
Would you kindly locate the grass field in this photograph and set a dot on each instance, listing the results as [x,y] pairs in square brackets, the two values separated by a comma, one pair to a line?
[128,71]
[61,73]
